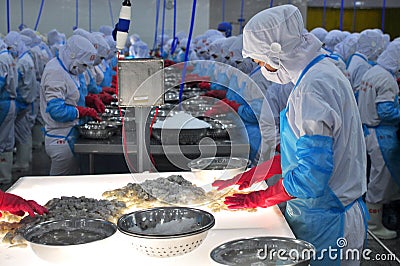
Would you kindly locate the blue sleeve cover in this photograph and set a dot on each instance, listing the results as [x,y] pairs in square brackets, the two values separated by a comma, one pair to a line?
[2,82]
[315,166]
[60,111]
[388,113]
[246,112]
[215,86]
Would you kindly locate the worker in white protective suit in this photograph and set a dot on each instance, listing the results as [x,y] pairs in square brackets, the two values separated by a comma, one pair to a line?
[323,156]
[55,40]
[59,96]
[8,93]
[347,47]
[27,90]
[369,46]
[332,38]
[380,114]
[320,33]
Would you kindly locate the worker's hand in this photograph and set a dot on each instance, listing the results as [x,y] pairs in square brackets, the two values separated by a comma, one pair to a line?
[219,108]
[262,198]
[204,85]
[88,112]
[109,90]
[168,63]
[219,94]
[254,175]
[92,100]
[106,98]
[18,206]
[235,106]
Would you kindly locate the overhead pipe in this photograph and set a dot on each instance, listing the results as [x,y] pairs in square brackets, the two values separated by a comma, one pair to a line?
[383,15]
[39,15]
[111,12]
[8,15]
[341,15]
[156,27]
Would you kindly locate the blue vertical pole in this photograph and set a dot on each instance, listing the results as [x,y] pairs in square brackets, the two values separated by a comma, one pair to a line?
[271,3]
[324,15]
[223,10]
[8,15]
[90,15]
[383,15]
[341,14]
[241,20]
[111,12]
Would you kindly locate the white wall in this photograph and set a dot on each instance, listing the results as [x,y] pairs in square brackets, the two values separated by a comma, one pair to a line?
[60,15]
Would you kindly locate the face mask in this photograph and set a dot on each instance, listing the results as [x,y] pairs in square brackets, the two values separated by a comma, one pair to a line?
[281,76]
[77,70]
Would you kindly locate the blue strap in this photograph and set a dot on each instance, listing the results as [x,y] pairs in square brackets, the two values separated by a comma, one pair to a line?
[23,54]
[351,57]
[254,71]
[365,216]
[66,70]
[310,65]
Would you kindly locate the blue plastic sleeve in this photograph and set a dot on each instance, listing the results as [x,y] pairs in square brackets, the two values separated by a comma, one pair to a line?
[309,179]
[2,82]
[60,111]
[247,114]
[388,113]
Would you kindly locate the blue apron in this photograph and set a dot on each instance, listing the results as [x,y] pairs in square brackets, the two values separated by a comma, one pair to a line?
[319,221]
[71,138]
[389,145]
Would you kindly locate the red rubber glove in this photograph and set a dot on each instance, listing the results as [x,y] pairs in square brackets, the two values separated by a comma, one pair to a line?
[204,85]
[109,90]
[18,206]
[92,100]
[106,98]
[254,175]
[235,106]
[168,63]
[262,198]
[219,108]
[219,94]
[89,112]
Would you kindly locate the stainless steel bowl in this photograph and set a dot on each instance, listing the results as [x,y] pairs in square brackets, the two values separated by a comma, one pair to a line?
[166,231]
[208,169]
[264,251]
[65,240]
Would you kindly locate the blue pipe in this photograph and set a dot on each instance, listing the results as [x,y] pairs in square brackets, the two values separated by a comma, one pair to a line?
[324,15]
[241,20]
[90,15]
[8,15]
[111,12]
[76,14]
[162,29]
[22,13]
[341,15]
[271,3]
[383,15]
[156,28]
[175,39]
[39,15]
[187,53]
[223,10]
[354,15]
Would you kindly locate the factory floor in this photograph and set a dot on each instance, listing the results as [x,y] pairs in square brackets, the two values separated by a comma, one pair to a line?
[41,166]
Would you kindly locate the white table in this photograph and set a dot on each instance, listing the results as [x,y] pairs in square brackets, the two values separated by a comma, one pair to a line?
[229,225]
